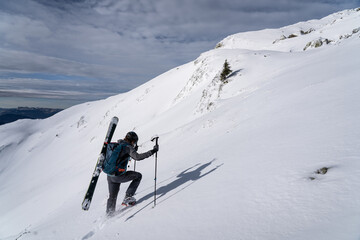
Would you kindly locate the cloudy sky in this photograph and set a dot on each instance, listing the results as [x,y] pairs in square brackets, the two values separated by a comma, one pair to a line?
[56,53]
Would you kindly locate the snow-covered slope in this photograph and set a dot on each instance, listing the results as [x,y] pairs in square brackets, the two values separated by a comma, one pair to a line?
[331,30]
[237,160]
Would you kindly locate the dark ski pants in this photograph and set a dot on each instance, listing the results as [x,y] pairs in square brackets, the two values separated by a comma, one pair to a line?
[114,187]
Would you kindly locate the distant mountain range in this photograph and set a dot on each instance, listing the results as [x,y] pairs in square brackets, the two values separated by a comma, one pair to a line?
[8,115]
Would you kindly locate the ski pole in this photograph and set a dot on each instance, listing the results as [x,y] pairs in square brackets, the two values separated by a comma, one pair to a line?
[156,142]
[136,148]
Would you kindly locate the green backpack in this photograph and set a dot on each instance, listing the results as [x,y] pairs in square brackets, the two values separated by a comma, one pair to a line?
[112,164]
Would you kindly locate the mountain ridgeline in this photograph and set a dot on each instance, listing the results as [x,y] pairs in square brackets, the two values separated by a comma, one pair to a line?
[8,115]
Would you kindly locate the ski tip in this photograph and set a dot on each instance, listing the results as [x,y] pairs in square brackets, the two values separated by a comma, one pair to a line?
[114,120]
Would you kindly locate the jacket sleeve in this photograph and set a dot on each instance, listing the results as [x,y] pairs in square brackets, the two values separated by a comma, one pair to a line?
[139,156]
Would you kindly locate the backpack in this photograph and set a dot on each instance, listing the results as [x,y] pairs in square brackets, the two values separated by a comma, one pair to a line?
[112,164]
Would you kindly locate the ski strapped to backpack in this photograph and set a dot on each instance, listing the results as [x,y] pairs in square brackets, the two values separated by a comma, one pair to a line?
[112,164]
[95,176]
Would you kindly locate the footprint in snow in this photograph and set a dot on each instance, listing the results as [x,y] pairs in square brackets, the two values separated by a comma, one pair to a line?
[89,235]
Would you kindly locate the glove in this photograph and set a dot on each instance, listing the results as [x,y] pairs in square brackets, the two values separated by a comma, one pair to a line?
[155,149]
[136,147]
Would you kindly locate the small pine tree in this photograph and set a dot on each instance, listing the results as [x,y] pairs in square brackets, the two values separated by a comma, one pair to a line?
[226,71]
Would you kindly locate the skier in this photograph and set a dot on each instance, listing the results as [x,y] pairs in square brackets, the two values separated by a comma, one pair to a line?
[114,181]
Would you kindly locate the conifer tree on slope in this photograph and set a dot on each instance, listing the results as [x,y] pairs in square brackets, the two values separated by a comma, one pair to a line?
[226,71]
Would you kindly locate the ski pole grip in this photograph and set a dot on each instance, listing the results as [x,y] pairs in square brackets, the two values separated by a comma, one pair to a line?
[155,138]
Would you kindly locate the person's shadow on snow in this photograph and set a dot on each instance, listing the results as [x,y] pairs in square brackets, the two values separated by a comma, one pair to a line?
[183,178]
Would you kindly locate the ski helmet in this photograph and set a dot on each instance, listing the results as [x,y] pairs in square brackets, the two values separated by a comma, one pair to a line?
[132,137]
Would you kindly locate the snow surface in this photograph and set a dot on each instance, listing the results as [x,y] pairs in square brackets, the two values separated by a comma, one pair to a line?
[236,161]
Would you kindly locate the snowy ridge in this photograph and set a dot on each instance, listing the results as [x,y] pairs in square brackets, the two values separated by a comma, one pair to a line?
[335,28]
[237,160]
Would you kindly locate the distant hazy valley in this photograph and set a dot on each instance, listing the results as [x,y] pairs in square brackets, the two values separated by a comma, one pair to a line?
[8,115]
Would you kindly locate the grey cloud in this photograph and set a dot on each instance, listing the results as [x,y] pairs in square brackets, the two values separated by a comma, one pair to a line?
[130,41]
[54,89]
[25,62]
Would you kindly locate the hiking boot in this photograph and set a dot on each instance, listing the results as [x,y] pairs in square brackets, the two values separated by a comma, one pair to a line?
[129,201]
[110,206]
